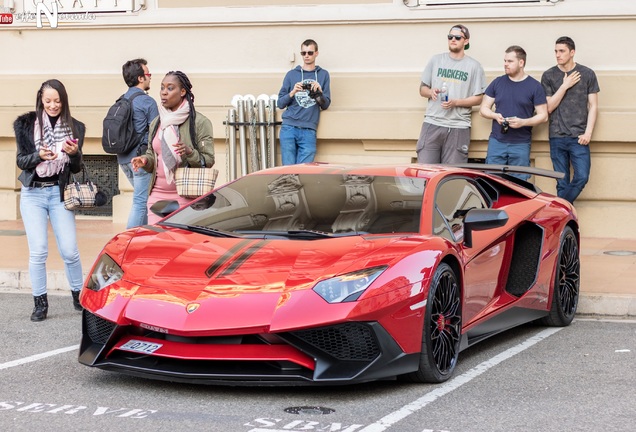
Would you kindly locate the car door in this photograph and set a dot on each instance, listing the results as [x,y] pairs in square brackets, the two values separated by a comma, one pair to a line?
[483,261]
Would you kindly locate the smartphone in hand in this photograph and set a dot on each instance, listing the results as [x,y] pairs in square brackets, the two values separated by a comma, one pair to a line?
[70,142]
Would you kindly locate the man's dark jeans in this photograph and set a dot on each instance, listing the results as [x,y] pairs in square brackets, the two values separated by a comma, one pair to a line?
[565,151]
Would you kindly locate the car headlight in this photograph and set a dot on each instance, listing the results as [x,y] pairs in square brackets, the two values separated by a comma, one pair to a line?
[347,287]
[106,272]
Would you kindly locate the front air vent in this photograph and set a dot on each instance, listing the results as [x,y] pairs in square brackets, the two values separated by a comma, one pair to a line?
[346,342]
[98,329]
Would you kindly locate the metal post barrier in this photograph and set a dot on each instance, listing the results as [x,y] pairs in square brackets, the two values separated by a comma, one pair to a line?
[242,140]
[271,130]
[252,131]
[231,122]
[262,132]
[259,117]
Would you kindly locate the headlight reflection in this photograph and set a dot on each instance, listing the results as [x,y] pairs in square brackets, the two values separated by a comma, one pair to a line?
[106,272]
[347,287]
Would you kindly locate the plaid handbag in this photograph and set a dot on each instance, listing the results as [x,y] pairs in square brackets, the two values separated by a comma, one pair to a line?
[79,195]
[194,182]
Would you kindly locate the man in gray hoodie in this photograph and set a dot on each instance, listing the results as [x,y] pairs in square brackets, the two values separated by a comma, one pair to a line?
[305,92]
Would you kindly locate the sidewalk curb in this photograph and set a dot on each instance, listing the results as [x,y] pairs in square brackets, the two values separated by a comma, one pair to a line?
[17,281]
[607,304]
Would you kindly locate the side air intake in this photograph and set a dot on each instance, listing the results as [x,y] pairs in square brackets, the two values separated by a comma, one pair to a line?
[525,259]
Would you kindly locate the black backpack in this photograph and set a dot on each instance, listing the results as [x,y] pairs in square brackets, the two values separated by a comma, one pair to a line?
[119,135]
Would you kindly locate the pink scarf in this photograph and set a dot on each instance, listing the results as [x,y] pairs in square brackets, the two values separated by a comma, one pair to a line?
[169,122]
[52,139]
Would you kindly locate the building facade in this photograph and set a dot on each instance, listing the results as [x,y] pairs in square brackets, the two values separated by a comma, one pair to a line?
[375,51]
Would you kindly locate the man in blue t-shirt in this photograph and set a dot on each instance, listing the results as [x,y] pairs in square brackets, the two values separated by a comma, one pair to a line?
[520,103]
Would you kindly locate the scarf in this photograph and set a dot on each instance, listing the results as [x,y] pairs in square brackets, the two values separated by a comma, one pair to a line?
[169,122]
[47,137]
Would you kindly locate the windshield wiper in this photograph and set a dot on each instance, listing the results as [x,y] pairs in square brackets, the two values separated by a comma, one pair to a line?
[201,229]
[298,234]
[312,234]
[322,234]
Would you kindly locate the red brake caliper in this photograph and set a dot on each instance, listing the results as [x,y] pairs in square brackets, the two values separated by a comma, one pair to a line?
[441,323]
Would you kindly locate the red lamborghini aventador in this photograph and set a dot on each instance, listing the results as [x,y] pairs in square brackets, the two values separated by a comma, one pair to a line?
[330,274]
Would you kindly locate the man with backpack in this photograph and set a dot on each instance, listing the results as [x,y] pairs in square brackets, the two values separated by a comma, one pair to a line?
[126,133]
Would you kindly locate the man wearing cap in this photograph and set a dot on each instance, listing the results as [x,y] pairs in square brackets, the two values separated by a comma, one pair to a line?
[453,83]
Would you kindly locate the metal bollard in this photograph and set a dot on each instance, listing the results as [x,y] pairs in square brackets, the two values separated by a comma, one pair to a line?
[252,131]
[242,139]
[262,132]
[271,131]
[231,121]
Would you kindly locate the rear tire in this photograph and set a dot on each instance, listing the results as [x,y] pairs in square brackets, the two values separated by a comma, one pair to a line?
[442,329]
[565,297]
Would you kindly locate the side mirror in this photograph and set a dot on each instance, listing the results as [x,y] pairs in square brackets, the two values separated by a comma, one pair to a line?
[164,208]
[480,220]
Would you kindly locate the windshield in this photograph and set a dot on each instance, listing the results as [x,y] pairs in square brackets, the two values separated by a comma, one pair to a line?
[309,206]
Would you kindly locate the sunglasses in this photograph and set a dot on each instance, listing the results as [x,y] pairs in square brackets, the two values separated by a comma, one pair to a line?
[148,75]
[304,53]
[457,38]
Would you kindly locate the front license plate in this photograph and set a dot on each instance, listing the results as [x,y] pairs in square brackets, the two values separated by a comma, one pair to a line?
[140,346]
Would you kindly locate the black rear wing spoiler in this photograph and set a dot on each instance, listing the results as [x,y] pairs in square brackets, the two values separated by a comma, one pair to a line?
[506,169]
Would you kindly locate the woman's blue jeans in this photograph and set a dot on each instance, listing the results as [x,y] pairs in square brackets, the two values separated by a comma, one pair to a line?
[39,206]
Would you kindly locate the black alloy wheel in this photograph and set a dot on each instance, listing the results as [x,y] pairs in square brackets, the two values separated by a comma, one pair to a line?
[565,297]
[442,329]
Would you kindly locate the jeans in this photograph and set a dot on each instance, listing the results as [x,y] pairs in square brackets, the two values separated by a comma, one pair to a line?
[38,206]
[516,154]
[563,152]
[297,145]
[140,181]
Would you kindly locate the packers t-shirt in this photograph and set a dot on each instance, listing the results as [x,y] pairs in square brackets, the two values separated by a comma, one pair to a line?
[464,78]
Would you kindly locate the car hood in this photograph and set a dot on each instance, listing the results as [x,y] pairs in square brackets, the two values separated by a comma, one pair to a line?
[235,283]
[185,260]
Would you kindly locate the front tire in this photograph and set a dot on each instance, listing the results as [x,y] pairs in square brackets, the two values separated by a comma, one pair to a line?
[565,297]
[442,329]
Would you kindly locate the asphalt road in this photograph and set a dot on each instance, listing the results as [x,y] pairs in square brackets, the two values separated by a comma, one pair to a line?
[579,378]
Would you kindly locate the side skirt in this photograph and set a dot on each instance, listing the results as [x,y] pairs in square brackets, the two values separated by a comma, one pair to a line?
[504,321]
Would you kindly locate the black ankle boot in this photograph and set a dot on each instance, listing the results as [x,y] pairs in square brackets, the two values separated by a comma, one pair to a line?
[41,308]
[76,301]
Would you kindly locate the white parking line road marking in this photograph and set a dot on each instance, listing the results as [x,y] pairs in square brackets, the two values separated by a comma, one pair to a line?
[37,357]
[389,420]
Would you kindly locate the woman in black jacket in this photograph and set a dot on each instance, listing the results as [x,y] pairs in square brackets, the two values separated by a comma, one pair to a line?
[49,145]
